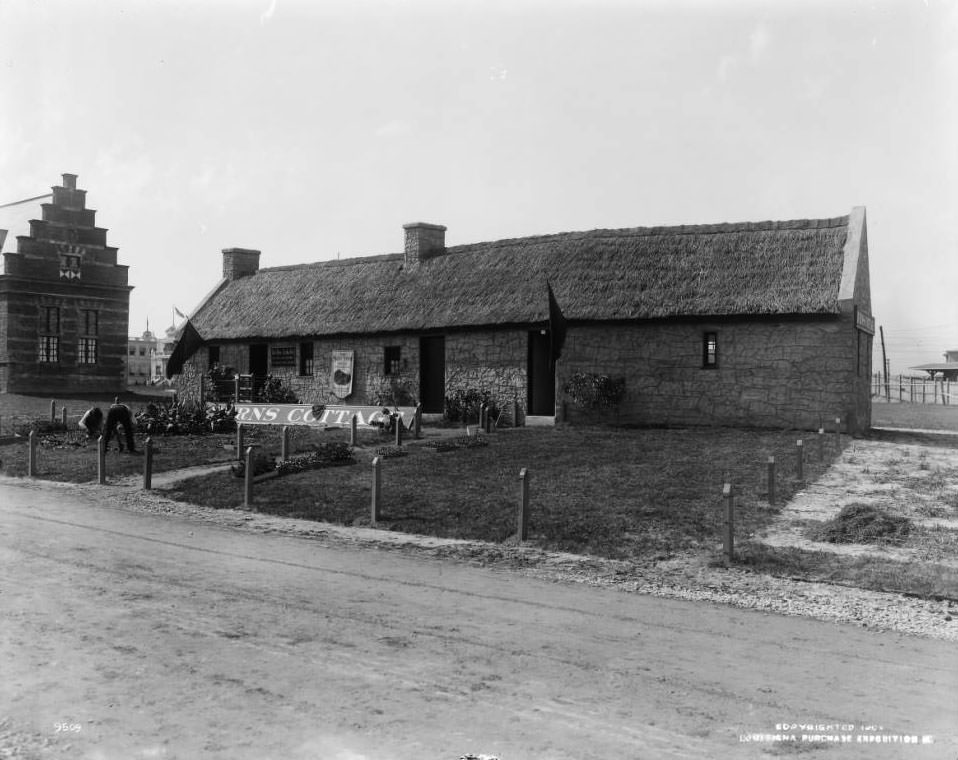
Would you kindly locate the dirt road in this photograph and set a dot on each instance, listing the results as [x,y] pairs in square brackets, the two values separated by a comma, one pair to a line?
[158,637]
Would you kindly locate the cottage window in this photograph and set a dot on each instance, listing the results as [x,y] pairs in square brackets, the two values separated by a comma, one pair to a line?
[306,358]
[49,350]
[283,356]
[87,351]
[710,350]
[214,355]
[391,360]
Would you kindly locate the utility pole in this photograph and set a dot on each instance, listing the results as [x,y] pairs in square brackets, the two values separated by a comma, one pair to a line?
[884,362]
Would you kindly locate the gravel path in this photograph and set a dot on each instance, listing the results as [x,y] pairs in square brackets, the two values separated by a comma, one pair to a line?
[683,577]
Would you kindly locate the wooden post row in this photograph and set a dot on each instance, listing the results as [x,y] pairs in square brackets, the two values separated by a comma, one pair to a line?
[800,460]
[522,519]
[729,521]
[284,444]
[376,489]
[239,441]
[101,460]
[32,454]
[248,479]
[53,410]
[771,480]
[148,464]
[352,430]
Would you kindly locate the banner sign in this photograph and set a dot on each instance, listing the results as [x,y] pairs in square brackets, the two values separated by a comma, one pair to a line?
[341,374]
[864,322]
[330,416]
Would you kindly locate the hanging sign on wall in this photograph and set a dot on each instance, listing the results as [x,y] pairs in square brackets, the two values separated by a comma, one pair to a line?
[341,374]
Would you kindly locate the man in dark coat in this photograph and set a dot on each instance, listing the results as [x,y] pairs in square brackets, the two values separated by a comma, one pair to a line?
[118,414]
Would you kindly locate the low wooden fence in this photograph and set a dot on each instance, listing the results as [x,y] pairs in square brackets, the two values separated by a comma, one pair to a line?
[915,389]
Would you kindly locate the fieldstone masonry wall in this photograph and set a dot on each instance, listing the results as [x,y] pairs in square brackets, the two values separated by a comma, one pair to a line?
[769,374]
[785,373]
[493,361]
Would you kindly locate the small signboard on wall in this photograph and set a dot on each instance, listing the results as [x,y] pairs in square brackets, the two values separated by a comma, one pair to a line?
[341,374]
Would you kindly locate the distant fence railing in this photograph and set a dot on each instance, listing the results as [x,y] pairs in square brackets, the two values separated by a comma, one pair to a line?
[914,389]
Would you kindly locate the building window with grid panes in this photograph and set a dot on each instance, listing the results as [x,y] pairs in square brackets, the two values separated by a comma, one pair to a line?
[305,358]
[86,353]
[49,351]
[89,329]
[392,356]
[49,347]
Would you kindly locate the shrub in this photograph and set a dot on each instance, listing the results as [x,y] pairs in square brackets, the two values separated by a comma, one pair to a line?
[591,391]
[277,391]
[863,524]
[463,405]
[324,455]
[184,419]
[393,390]
[41,427]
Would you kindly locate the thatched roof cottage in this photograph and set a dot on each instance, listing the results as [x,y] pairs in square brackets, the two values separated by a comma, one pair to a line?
[764,324]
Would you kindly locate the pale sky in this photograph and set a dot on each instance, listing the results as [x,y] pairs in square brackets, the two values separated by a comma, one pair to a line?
[315,129]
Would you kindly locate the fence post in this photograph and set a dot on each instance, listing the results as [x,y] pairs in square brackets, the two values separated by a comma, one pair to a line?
[101,460]
[235,389]
[63,414]
[800,459]
[398,430]
[284,444]
[417,421]
[522,526]
[771,480]
[729,521]
[376,489]
[838,433]
[148,464]
[515,412]
[239,441]
[481,422]
[821,444]
[32,454]
[53,410]
[352,430]
[248,479]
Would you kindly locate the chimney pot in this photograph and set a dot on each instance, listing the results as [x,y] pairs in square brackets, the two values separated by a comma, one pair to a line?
[70,181]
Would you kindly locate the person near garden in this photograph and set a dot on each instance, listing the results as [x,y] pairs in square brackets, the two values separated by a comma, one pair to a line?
[117,415]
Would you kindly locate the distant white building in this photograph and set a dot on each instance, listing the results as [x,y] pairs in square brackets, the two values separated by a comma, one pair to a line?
[147,356]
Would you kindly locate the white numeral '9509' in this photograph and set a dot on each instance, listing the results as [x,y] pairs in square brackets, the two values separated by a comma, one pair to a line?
[62,727]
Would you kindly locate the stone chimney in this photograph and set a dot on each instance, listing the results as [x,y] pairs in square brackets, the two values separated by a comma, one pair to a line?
[239,262]
[423,241]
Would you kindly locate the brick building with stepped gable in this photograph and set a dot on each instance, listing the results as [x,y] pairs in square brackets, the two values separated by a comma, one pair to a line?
[64,303]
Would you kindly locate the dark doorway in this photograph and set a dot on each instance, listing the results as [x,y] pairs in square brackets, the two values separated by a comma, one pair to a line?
[258,358]
[542,383]
[432,373]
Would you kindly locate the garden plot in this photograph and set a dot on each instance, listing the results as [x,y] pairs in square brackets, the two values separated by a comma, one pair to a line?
[917,482]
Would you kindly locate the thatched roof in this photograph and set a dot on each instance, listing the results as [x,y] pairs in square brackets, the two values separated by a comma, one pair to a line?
[765,268]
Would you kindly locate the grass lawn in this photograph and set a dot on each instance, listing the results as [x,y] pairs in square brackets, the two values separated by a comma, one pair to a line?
[616,493]
[637,494]
[921,416]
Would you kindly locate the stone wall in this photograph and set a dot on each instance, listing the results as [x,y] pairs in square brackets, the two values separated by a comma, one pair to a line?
[784,373]
[493,361]
[788,374]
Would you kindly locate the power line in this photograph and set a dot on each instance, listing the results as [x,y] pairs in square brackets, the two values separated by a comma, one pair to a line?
[26,200]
